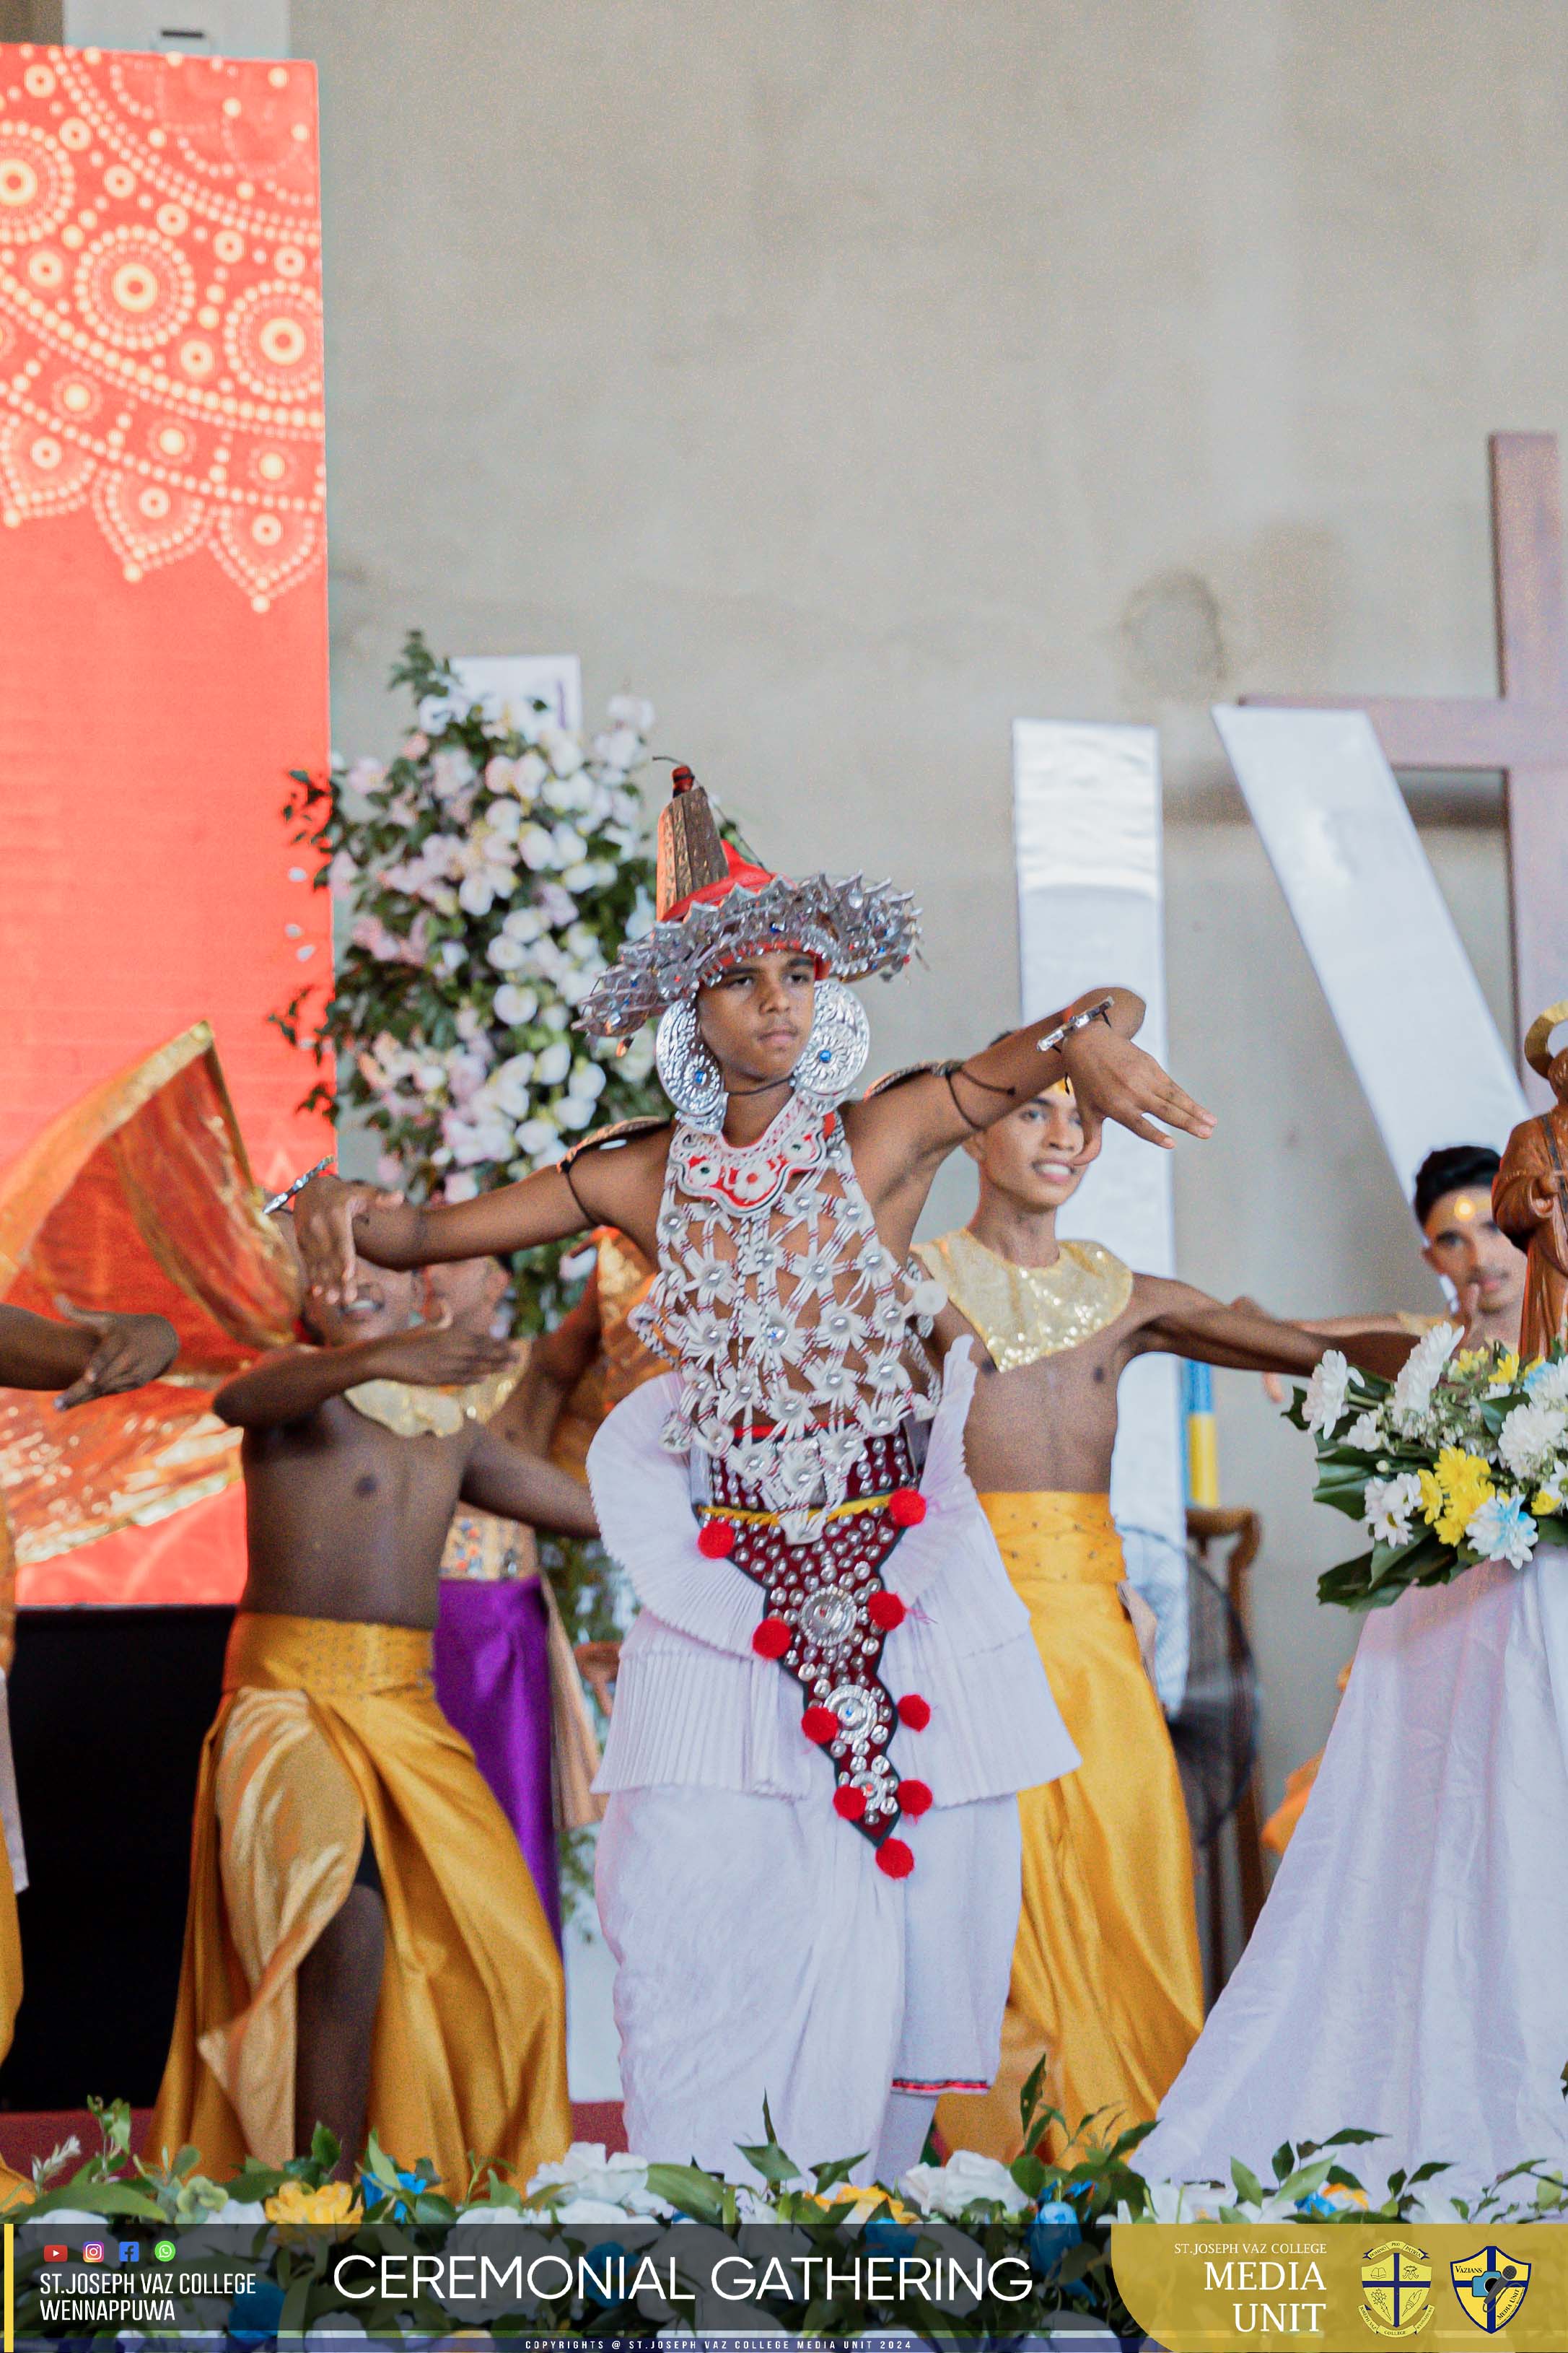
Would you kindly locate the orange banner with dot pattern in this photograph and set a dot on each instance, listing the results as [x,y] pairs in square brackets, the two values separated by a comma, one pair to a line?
[162,615]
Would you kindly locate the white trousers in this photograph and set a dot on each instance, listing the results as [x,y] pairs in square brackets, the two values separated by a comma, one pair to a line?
[760,1951]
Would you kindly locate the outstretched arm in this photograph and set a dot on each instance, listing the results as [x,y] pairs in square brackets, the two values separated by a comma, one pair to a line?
[906,1133]
[611,1185]
[503,1479]
[1188,1323]
[291,1383]
[92,1355]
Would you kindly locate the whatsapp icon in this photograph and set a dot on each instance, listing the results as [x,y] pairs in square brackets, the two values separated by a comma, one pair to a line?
[165,2251]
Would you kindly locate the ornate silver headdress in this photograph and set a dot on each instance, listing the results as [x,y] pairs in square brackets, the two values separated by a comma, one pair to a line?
[715,907]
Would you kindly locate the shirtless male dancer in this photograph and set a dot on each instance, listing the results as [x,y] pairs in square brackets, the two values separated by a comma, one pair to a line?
[343,1835]
[1106,1977]
[811,1783]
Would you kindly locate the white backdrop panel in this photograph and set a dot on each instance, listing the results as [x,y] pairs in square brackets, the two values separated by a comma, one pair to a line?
[1087,832]
[1409,1007]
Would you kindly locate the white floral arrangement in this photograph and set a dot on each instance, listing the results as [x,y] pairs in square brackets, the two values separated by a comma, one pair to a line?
[1048,2226]
[1463,1458]
[485,876]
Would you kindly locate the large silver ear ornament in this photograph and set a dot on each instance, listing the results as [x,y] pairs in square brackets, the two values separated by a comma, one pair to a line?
[687,1069]
[836,1048]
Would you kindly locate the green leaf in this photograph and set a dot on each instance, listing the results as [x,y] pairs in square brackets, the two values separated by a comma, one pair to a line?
[689,2190]
[1247,2186]
[324,2148]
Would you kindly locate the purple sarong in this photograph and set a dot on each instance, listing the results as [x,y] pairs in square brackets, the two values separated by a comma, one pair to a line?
[492,1683]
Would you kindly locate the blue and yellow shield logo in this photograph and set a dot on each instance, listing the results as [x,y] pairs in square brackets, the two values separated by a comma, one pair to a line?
[1396,2289]
[1490,2287]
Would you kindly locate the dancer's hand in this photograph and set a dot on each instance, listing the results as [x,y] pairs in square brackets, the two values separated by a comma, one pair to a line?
[131,1350]
[1112,1078]
[599,1663]
[435,1355]
[324,1214]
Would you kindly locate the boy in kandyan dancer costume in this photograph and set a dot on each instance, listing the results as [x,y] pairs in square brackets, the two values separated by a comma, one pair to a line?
[1107,1984]
[364,1944]
[809,1870]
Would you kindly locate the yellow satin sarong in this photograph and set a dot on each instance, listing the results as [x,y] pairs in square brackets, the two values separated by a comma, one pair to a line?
[329,1732]
[1106,1971]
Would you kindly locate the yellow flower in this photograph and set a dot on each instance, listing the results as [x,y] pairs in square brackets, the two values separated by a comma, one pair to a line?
[1507,1367]
[1454,1494]
[336,2202]
[865,2200]
[1544,1502]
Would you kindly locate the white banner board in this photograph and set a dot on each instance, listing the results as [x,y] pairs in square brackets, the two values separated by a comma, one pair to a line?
[1087,833]
[1419,1033]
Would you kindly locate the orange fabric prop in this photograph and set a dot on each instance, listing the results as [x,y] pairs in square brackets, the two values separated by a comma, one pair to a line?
[139,1196]
[162,621]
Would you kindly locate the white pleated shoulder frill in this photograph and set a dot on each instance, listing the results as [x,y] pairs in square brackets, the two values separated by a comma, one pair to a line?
[695,1705]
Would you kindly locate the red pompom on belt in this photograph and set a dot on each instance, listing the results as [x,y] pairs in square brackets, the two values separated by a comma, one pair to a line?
[906,1508]
[716,1539]
[820,1725]
[772,1639]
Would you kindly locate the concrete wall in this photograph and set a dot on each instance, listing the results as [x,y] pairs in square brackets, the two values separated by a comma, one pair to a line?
[851,376]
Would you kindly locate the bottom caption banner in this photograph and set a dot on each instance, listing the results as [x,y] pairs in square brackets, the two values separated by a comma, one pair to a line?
[1211,2288]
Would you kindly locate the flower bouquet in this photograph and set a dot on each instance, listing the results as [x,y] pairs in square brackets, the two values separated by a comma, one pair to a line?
[1463,1458]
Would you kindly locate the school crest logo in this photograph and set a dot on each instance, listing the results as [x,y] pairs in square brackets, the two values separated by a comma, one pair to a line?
[1396,2289]
[1490,2287]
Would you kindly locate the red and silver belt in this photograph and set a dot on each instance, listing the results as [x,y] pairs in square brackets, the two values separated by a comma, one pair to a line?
[829,1614]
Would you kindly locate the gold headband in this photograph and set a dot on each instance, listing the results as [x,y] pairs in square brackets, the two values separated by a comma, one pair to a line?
[1539,1036]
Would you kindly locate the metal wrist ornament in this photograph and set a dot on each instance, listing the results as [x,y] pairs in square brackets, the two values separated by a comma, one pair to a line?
[1065,1029]
[282,1200]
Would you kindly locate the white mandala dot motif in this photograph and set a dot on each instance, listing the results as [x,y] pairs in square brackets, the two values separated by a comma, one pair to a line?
[37,185]
[160,310]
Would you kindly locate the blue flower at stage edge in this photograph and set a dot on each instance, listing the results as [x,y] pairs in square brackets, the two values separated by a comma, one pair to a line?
[254,2315]
[597,2262]
[1054,2230]
[882,2236]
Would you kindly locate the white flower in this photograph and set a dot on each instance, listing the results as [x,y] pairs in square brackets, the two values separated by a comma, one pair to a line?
[1326,1393]
[588,1080]
[1419,1376]
[460,1186]
[1388,1506]
[528,774]
[620,747]
[552,1064]
[952,2189]
[366,775]
[515,1006]
[535,847]
[1531,1438]
[1502,1530]
[567,847]
[524,923]
[451,772]
[572,1113]
[620,2181]
[1548,1383]
[537,1136]
[452,955]
[631,711]
[1365,1433]
[561,748]
[580,877]
[507,954]
[503,819]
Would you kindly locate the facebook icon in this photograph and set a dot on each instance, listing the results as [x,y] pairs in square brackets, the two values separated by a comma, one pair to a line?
[130,2250]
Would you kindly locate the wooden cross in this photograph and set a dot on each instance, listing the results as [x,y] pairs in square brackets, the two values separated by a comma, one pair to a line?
[1523,730]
